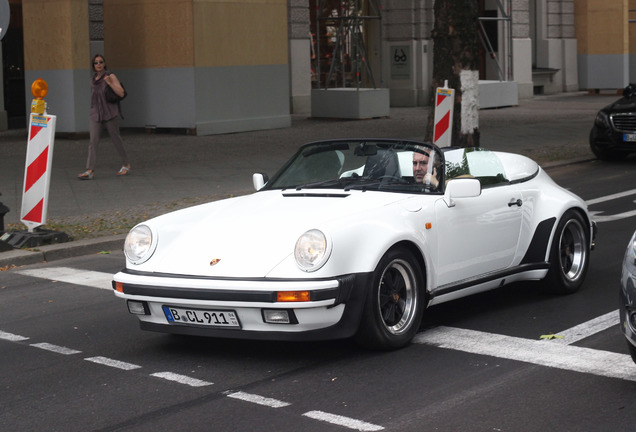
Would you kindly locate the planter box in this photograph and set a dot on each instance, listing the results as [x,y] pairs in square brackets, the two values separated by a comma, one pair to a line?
[350,103]
[495,94]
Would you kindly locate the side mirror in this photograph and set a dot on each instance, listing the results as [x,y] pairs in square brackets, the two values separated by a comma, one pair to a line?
[461,188]
[259,180]
[629,90]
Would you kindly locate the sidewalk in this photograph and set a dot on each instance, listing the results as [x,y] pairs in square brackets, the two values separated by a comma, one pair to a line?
[171,171]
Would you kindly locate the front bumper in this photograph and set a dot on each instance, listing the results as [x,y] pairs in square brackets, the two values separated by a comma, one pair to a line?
[610,140]
[333,311]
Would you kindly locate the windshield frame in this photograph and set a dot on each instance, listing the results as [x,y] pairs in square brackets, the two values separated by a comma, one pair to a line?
[352,152]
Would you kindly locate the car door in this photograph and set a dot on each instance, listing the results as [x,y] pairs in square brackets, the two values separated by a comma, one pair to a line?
[478,235]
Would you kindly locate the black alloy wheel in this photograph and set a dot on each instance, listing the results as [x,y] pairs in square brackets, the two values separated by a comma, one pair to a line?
[569,255]
[395,302]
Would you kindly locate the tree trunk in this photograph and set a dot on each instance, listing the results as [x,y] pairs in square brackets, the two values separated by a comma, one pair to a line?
[455,59]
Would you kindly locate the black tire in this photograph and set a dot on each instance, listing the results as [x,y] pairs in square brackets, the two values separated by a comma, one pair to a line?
[569,254]
[394,304]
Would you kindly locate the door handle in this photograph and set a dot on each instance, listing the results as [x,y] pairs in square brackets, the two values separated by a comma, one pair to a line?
[516,202]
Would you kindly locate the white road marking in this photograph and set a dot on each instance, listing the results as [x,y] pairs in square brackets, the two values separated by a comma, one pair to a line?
[610,218]
[589,328]
[342,421]
[113,363]
[182,379]
[12,337]
[260,400]
[596,215]
[73,276]
[611,197]
[566,357]
[55,348]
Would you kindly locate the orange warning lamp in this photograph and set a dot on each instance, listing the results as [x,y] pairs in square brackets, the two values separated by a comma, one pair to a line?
[39,89]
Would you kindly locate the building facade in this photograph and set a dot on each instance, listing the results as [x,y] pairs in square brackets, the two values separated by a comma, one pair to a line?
[207,66]
[606,34]
[212,66]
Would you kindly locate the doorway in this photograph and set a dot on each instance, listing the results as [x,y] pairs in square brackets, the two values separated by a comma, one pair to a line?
[13,70]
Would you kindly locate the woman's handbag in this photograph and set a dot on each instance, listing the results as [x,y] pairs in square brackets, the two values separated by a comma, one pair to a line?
[113,97]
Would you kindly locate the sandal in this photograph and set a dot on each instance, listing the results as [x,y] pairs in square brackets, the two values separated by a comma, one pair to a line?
[86,175]
[123,170]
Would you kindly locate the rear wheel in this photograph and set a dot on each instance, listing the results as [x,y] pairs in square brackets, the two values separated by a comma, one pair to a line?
[395,302]
[569,255]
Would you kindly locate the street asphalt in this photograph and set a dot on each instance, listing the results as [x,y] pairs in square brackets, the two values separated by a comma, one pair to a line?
[171,169]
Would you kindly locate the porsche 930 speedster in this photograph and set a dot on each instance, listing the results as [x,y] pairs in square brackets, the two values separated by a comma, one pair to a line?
[355,238]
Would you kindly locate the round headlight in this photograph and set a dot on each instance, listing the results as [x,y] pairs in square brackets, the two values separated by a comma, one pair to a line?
[139,244]
[311,250]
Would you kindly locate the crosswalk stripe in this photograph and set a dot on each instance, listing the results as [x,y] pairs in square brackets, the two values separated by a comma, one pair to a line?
[259,400]
[181,379]
[343,421]
[588,328]
[55,348]
[113,363]
[544,353]
[73,276]
[12,337]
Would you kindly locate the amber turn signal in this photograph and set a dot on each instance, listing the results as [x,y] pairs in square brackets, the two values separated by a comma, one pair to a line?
[119,287]
[293,296]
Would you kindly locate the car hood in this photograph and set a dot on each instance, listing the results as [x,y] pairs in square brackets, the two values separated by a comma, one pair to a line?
[621,106]
[249,236]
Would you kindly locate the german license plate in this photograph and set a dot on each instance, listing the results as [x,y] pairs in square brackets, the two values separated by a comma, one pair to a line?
[629,137]
[202,317]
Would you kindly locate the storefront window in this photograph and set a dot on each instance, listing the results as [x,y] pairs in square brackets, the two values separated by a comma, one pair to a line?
[339,40]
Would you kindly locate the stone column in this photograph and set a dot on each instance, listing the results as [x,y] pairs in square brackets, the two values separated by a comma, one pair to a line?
[522,48]
[602,31]
[408,51]
[56,49]
[299,56]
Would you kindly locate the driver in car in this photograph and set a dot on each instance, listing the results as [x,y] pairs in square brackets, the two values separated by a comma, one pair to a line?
[421,171]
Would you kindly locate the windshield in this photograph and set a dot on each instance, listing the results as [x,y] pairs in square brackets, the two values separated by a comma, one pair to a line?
[386,165]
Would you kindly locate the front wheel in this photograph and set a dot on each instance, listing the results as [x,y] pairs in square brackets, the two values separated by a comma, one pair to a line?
[569,254]
[394,304]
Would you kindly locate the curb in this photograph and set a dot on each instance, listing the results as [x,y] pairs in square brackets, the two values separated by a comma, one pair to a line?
[20,257]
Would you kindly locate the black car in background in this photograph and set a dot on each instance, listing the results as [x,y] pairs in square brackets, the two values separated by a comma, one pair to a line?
[627,303]
[613,135]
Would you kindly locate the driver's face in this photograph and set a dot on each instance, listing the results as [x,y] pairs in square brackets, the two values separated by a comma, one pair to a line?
[420,166]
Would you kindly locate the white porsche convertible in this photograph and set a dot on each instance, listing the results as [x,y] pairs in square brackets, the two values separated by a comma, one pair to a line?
[355,238]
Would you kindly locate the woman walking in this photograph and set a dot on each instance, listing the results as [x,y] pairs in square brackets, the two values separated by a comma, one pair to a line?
[105,115]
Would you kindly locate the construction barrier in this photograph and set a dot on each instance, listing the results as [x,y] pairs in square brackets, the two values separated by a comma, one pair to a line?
[443,123]
[37,172]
